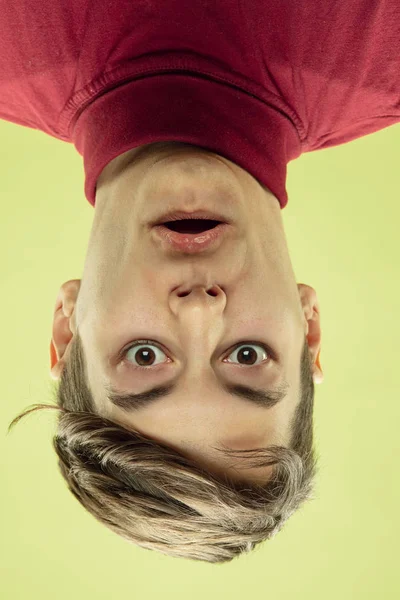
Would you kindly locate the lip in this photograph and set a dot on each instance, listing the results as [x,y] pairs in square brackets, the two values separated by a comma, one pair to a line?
[197,214]
[191,243]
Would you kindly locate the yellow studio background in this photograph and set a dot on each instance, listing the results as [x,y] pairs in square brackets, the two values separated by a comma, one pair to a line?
[342,224]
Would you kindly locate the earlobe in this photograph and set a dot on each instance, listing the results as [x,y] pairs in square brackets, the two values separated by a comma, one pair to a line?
[67,296]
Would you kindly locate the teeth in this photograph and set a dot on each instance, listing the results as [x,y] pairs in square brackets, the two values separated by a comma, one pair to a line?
[191,225]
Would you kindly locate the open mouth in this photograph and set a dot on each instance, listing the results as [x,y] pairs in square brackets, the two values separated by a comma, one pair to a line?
[191,225]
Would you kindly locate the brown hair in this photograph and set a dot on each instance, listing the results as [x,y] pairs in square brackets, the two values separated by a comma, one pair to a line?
[156,498]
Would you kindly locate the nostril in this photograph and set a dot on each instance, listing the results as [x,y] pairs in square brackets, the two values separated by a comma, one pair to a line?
[191,225]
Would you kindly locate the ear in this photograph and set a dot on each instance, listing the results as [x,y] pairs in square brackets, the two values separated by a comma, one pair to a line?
[310,305]
[63,326]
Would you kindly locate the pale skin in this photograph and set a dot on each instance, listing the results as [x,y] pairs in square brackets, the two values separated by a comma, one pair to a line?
[125,295]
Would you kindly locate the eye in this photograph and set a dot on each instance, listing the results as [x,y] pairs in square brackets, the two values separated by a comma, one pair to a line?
[247,354]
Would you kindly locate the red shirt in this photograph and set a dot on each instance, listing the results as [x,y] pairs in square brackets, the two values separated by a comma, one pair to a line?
[259,82]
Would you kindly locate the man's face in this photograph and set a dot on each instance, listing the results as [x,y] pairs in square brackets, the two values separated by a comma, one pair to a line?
[199,321]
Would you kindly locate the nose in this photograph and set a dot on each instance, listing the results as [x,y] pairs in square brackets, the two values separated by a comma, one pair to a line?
[199,290]
[210,298]
[199,311]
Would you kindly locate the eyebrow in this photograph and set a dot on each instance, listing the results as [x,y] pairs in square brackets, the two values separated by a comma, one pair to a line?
[132,402]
